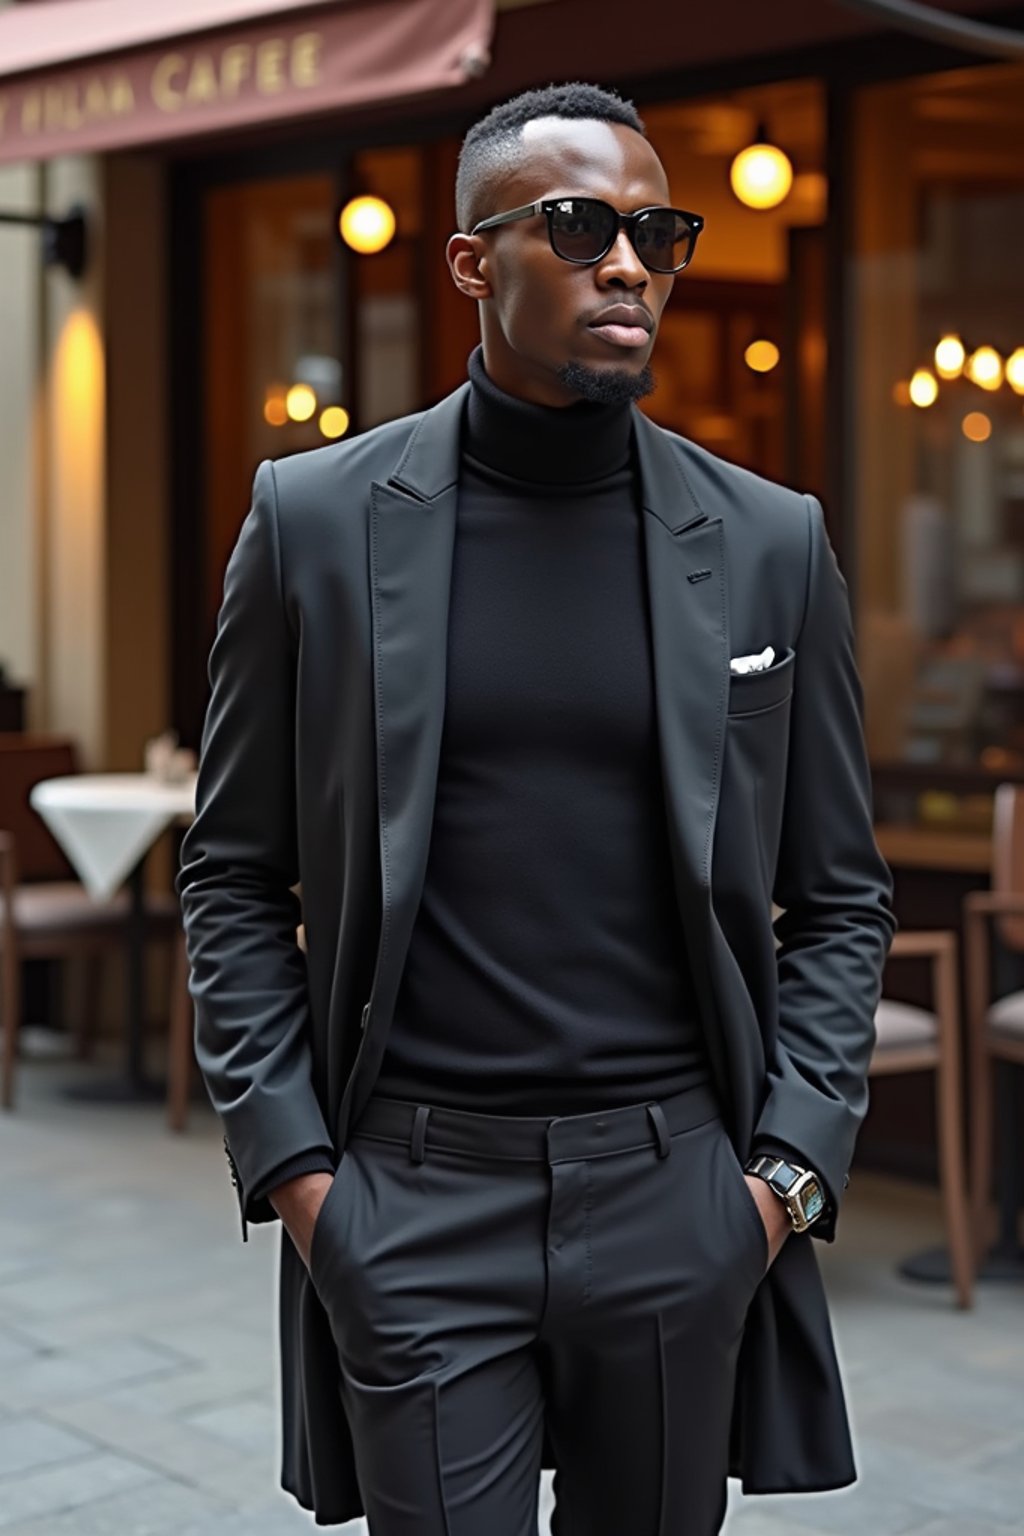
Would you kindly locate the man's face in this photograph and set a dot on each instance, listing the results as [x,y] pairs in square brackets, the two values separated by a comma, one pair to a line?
[540,315]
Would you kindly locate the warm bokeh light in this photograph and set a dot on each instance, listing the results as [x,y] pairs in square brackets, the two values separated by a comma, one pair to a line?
[275,409]
[761,176]
[901,393]
[300,402]
[1015,371]
[367,224]
[976,427]
[761,356]
[924,389]
[985,368]
[334,421]
[950,357]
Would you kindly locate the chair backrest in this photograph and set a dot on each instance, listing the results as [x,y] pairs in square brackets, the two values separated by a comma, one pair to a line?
[24,761]
[1008,857]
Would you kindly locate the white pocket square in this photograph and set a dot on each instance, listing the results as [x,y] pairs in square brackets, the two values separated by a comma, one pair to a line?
[758,663]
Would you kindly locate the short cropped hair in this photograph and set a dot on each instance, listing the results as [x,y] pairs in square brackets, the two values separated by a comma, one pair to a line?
[493,145]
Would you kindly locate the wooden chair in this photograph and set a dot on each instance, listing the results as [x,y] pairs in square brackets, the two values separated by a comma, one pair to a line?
[995,1030]
[180,1048]
[45,911]
[912,1039]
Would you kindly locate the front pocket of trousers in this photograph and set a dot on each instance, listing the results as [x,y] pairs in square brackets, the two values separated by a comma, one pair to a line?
[750,1207]
[325,1218]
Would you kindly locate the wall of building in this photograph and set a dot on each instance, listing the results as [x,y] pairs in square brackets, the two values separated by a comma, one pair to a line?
[19,402]
[137,566]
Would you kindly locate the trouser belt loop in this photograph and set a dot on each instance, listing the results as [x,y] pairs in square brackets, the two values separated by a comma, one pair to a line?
[419,1134]
[660,1124]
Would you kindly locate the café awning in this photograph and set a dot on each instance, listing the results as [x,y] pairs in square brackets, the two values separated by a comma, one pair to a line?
[79,76]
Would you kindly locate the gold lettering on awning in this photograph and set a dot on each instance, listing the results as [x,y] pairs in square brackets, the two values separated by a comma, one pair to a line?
[269,67]
[122,96]
[31,112]
[177,82]
[96,101]
[202,81]
[235,68]
[61,108]
[306,59]
[166,95]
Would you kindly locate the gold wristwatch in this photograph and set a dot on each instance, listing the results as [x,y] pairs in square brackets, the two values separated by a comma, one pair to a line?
[800,1189]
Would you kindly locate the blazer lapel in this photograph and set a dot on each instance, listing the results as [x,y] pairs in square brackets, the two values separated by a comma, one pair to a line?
[412,541]
[685,563]
[686,580]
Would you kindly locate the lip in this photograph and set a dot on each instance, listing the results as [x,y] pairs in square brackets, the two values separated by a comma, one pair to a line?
[625,315]
[624,325]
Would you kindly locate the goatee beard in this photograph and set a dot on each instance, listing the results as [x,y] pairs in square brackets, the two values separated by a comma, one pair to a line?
[607,386]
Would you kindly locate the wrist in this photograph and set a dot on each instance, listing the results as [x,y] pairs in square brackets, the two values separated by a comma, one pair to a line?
[298,1194]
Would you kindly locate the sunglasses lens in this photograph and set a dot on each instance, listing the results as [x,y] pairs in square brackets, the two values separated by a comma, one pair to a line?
[582,228]
[664,240]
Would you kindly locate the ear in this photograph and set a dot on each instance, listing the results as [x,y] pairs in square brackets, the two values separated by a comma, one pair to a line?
[468,263]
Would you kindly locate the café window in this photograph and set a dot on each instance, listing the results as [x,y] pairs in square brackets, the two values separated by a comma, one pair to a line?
[938,461]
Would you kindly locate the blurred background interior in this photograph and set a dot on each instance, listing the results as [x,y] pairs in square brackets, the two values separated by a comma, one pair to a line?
[853,325]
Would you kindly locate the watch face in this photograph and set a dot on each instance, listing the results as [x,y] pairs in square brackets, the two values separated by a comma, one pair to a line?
[813,1201]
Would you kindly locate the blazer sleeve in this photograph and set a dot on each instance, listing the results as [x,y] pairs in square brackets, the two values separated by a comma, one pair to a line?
[239,861]
[835,890]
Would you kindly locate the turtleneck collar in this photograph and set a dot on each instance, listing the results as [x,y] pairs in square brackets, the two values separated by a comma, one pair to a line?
[546,444]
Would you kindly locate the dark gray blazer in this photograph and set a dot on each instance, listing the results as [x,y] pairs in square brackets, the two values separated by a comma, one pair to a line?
[319,765]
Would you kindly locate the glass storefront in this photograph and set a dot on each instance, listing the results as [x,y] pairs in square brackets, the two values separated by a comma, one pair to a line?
[305,340]
[938,467]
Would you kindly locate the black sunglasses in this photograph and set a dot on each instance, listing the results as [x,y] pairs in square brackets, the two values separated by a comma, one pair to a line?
[584,229]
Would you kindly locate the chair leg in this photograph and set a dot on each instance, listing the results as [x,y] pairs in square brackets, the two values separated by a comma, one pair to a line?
[88,1018]
[979,1066]
[10,1005]
[953,1182]
[180,1049]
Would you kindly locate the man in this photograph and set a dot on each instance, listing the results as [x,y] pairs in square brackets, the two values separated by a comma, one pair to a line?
[542,706]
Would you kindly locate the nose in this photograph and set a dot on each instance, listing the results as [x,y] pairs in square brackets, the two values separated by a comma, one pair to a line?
[622,267]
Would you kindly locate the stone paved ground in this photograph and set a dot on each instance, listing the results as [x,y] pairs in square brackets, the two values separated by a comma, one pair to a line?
[137,1362]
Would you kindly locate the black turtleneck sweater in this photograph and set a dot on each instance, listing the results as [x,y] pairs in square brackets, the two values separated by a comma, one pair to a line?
[546,971]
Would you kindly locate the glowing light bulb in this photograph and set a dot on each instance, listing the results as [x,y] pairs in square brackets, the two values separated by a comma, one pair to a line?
[950,357]
[761,356]
[300,402]
[334,421]
[761,176]
[275,411]
[1015,371]
[976,427]
[367,224]
[985,368]
[924,390]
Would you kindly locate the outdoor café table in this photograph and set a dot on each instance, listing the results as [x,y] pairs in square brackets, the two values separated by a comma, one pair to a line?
[106,824]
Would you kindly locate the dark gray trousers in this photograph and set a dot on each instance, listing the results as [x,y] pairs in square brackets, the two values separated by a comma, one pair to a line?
[484,1272]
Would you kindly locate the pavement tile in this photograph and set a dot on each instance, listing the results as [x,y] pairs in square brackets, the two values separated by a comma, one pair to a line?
[138,1350]
[49,1491]
[27,1443]
[155,1508]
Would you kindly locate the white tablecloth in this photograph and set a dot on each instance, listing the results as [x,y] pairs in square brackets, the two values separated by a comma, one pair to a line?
[105,822]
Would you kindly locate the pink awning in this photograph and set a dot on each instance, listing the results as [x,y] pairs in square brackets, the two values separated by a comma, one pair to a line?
[79,76]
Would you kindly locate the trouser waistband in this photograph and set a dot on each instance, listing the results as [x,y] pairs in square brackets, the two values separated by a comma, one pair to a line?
[547,1138]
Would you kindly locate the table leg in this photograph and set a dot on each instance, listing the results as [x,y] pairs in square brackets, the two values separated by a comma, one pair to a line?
[134,1087]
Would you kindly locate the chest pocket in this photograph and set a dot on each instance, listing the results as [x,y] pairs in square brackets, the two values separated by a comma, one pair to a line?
[752,693]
